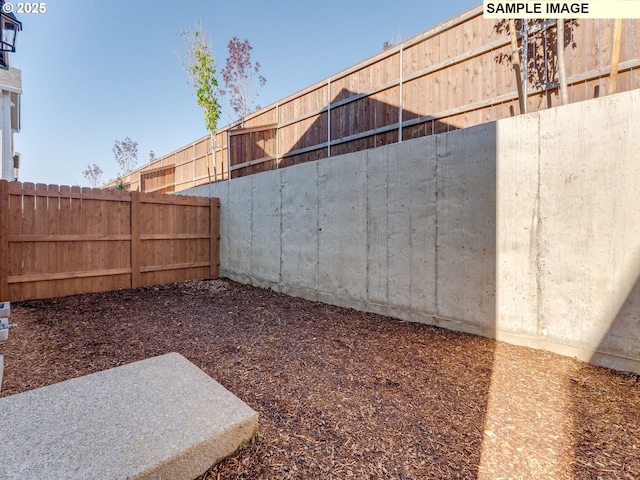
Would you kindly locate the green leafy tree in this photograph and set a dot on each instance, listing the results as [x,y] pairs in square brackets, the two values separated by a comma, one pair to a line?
[200,67]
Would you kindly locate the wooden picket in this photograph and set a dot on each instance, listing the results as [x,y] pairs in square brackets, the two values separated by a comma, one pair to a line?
[60,240]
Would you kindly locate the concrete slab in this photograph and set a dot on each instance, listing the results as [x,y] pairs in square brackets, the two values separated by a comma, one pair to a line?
[160,418]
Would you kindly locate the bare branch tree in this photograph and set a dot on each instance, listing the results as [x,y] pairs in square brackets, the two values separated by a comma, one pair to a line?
[240,75]
[93,174]
[126,154]
[390,43]
[199,65]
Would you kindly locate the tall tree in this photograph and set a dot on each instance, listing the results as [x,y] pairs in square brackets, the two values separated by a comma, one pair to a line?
[240,75]
[126,154]
[200,67]
[93,174]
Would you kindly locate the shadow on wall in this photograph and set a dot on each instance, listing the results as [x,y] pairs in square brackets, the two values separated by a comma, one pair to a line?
[624,331]
[353,122]
[619,335]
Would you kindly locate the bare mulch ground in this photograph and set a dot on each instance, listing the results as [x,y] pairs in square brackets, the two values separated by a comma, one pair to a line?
[345,394]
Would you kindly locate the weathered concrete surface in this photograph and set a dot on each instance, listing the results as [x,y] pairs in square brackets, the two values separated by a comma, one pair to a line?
[466,222]
[161,418]
[342,232]
[265,229]
[518,227]
[239,228]
[299,260]
[569,230]
[381,230]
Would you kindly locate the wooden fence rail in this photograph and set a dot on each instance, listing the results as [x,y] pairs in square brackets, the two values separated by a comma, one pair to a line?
[60,240]
[455,75]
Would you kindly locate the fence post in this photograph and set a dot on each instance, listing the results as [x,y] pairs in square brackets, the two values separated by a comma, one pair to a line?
[615,56]
[517,66]
[214,243]
[4,240]
[562,69]
[400,93]
[135,240]
[328,117]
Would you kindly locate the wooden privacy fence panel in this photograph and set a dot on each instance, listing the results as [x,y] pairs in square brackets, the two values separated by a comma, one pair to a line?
[59,240]
[455,75]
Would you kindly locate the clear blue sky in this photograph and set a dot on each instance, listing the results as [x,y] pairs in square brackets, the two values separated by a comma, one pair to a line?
[94,72]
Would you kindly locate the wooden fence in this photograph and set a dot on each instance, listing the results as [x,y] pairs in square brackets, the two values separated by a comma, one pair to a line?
[455,75]
[59,240]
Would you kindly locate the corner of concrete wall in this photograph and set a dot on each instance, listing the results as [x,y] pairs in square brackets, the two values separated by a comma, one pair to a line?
[219,190]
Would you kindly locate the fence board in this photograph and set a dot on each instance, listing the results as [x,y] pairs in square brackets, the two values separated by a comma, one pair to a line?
[57,241]
[78,254]
[135,240]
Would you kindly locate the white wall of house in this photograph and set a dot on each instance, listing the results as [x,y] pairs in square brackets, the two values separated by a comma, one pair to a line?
[10,91]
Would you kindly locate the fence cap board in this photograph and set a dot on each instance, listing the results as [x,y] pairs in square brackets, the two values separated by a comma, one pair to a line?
[65,191]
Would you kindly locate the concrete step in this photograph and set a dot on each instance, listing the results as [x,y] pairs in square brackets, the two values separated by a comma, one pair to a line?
[160,418]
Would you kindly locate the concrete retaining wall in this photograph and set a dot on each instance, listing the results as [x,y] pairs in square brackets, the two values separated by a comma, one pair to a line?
[525,229]
[406,230]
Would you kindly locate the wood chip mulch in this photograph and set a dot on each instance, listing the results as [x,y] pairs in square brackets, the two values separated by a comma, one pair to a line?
[345,394]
